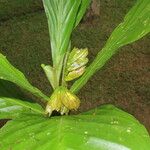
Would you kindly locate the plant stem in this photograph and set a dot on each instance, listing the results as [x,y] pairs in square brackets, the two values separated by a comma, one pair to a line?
[64,70]
[57,74]
[64,66]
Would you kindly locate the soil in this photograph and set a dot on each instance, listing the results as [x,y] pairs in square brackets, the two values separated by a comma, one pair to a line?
[125,79]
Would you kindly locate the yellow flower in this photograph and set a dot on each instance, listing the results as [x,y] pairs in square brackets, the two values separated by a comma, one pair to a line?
[70,100]
[62,100]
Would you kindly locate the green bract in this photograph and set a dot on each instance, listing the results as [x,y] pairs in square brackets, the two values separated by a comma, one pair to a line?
[76,62]
[104,128]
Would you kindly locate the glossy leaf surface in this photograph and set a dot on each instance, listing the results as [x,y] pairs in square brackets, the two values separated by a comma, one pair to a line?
[136,24]
[104,128]
[12,108]
[10,73]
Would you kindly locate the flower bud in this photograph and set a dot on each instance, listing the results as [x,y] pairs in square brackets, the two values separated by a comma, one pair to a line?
[76,63]
[77,54]
[75,74]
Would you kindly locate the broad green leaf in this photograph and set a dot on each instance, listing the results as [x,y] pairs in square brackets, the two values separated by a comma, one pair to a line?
[136,24]
[8,89]
[11,108]
[105,128]
[10,73]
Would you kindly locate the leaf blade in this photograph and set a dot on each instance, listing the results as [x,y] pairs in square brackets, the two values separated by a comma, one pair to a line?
[99,129]
[12,107]
[10,73]
[136,24]
[61,18]
[84,5]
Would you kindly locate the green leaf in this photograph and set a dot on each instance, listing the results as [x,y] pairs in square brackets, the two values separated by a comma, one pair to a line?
[11,108]
[50,74]
[84,5]
[10,73]
[8,89]
[105,128]
[136,24]
[61,15]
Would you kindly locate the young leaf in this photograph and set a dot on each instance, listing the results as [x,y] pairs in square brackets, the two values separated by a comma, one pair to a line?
[136,24]
[12,108]
[10,73]
[61,16]
[84,5]
[105,128]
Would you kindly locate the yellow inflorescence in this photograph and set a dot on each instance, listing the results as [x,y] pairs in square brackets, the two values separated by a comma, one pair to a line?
[62,100]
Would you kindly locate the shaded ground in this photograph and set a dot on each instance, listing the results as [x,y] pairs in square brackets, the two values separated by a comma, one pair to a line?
[124,81]
[11,8]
